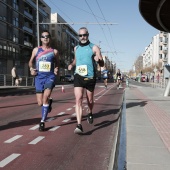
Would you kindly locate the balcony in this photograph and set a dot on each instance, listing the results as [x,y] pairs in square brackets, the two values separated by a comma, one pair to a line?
[28,29]
[165,50]
[28,14]
[34,5]
[28,44]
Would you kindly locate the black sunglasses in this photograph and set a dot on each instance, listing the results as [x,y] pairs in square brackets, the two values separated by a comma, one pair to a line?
[84,35]
[45,36]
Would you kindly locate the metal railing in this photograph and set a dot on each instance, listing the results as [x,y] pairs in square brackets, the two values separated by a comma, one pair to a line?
[161,84]
[8,80]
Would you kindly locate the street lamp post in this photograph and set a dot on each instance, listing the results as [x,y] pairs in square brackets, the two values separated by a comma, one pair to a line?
[38,36]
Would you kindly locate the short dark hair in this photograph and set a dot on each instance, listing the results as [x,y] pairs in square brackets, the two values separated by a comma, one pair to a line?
[46,31]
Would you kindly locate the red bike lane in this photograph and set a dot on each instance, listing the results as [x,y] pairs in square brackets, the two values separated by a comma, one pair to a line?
[24,147]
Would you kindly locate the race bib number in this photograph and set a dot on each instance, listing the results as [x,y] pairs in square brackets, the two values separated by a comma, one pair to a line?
[44,66]
[118,78]
[82,70]
[105,74]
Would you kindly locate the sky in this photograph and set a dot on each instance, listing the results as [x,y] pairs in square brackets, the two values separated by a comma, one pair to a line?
[122,39]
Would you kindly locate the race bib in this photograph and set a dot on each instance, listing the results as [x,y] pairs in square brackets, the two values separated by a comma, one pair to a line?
[44,66]
[82,70]
[105,74]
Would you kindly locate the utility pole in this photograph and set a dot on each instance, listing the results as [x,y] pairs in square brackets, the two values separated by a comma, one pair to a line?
[38,36]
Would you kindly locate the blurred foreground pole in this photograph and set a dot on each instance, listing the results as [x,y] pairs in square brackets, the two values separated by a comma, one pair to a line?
[166,93]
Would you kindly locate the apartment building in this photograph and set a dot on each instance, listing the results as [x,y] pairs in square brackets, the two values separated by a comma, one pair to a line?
[64,38]
[18,26]
[157,51]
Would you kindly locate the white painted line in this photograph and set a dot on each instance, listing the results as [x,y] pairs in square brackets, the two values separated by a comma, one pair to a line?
[54,128]
[66,120]
[69,108]
[61,113]
[13,139]
[86,106]
[7,160]
[74,114]
[74,106]
[50,119]
[34,127]
[36,140]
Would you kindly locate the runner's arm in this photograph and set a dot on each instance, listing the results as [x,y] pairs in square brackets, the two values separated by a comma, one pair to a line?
[70,66]
[30,64]
[98,56]
[56,54]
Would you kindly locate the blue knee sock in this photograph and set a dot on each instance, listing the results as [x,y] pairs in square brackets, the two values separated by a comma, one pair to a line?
[45,109]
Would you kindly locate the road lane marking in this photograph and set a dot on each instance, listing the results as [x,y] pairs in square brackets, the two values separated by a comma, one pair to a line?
[50,119]
[74,114]
[13,139]
[36,140]
[54,128]
[61,113]
[66,120]
[34,127]
[69,108]
[7,160]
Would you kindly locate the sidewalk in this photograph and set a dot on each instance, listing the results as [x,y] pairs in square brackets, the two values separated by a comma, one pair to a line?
[147,129]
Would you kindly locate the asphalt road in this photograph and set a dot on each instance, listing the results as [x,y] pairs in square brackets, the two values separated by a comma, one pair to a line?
[58,148]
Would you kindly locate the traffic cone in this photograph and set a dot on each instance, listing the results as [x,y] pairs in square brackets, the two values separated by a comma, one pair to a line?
[62,89]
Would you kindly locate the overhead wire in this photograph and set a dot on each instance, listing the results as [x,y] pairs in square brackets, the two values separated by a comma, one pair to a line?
[61,11]
[83,10]
[107,27]
[97,21]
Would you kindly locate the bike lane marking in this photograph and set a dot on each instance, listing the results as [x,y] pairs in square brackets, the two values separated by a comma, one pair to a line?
[8,159]
[13,139]
[36,140]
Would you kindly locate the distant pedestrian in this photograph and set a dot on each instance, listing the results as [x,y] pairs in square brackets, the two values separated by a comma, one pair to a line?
[105,75]
[15,77]
[119,78]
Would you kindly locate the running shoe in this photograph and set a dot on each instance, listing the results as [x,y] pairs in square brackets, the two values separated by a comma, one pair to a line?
[78,129]
[90,118]
[41,126]
[50,104]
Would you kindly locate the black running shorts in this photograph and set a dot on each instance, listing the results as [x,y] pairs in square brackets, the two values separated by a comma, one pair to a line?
[88,83]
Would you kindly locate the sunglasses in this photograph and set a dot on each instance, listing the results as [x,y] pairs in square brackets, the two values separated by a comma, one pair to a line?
[45,36]
[83,35]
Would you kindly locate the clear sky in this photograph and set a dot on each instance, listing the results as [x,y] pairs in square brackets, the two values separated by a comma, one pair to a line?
[123,41]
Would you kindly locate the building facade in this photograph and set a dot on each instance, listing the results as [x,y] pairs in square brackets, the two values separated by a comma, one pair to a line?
[64,38]
[18,25]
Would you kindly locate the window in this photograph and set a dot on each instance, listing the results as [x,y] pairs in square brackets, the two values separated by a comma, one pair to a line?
[15,22]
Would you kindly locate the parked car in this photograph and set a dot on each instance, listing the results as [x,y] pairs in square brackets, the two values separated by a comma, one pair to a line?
[69,78]
[143,78]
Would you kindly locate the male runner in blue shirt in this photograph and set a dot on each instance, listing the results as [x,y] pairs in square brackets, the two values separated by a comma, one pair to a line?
[45,71]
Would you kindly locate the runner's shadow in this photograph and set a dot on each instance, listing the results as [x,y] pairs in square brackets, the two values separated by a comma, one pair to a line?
[105,123]
[101,125]
[20,123]
[133,104]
